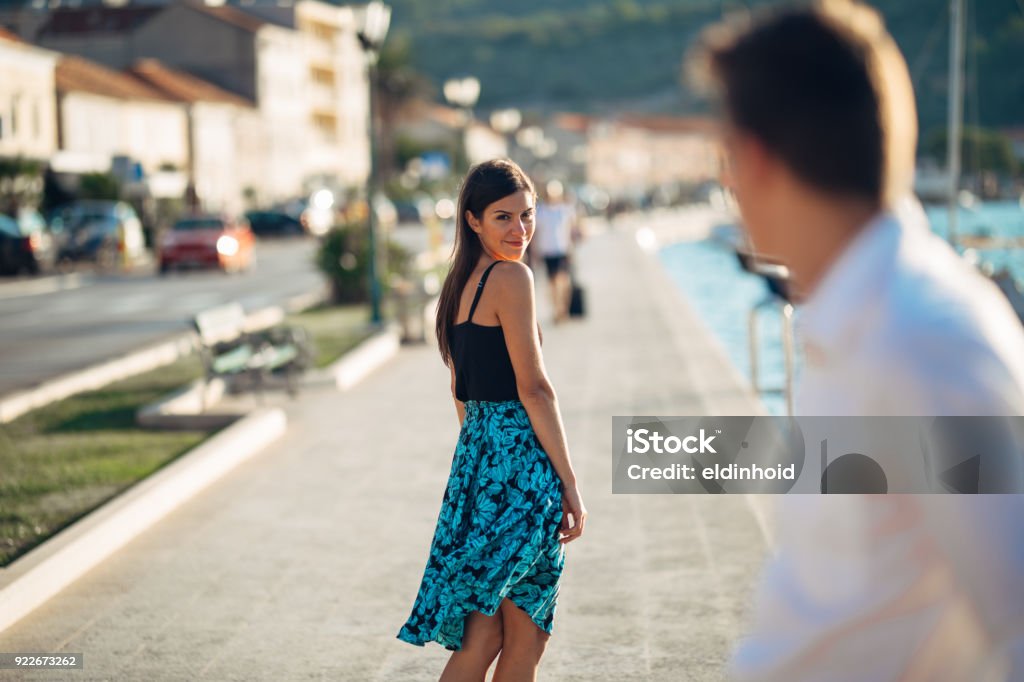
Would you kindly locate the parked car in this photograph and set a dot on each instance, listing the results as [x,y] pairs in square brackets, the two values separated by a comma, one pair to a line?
[107,233]
[274,224]
[408,212]
[207,241]
[27,244]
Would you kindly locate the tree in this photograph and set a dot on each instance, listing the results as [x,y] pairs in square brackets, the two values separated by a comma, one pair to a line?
[99,186]
[398,84]
[981,150]
[21,183]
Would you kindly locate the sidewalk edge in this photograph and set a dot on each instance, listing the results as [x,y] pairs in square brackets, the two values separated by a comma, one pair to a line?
[355,365]
[104,373]
[31,580]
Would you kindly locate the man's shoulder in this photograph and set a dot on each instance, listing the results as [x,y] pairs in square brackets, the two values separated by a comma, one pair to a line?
[946,331]
[934,294]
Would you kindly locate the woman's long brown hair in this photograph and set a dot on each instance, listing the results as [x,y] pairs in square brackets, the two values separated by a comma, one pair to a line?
[486,183]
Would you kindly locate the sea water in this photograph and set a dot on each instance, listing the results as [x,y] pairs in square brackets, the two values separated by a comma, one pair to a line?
[723,294]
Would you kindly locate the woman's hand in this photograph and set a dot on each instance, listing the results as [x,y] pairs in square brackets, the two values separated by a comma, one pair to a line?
[574,515]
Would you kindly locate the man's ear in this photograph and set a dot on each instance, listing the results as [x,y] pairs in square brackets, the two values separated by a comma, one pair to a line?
[474,224]
[760,164]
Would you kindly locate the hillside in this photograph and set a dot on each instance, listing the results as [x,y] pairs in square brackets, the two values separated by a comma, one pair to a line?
[605,55]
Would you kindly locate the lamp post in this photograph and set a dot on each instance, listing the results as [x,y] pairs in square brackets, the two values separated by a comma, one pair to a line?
[463,93]
[374,22]
[507,122]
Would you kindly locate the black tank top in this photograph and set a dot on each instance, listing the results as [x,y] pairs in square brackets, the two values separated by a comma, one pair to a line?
[483,369]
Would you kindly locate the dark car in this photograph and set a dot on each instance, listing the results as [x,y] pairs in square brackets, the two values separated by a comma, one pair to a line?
[274,224]
[107,233]
[408,212]
[26,244]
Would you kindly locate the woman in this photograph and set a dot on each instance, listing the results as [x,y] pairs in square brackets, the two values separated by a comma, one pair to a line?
[511,503]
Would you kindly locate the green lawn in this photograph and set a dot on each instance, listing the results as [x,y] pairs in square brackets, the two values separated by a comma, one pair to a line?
[62,461]
[334,329]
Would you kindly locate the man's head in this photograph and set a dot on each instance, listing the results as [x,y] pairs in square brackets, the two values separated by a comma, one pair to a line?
[818,102]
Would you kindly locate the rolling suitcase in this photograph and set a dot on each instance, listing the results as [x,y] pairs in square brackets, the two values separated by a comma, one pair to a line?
[577,307]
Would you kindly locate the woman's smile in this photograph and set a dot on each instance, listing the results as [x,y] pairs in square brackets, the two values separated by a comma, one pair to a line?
[506,226]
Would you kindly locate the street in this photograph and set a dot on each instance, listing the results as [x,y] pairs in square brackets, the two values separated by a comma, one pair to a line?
[46,335]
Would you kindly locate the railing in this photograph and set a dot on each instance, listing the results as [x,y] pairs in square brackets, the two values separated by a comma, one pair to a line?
[778,281]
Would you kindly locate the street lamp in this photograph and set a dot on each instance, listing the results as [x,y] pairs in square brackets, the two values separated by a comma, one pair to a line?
[463,93]
[374,21]
[530,137]
[507,122]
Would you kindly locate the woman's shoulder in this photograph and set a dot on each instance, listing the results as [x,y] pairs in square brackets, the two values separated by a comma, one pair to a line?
[512,277]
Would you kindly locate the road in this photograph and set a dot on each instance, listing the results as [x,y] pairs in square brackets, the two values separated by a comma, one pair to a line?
[46,335]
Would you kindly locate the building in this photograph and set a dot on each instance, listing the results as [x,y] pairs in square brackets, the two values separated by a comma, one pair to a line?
[634,155]
[102,34]
[110,120]
[227,149]
[300,65]
[437,128]
[339,92]
[28,107]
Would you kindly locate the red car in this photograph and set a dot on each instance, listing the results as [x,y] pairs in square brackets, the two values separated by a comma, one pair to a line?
[208,241]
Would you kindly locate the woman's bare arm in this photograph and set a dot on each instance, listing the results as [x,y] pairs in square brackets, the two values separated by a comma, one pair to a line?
[460,407]
[517,314]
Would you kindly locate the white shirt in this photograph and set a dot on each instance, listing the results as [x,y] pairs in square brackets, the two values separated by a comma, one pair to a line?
[898,587]
[554,228]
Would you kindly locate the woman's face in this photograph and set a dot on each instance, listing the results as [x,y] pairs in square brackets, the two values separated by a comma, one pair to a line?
[506,226]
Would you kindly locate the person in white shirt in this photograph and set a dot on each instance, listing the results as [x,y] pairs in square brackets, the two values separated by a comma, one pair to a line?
[556,224]
[820,135]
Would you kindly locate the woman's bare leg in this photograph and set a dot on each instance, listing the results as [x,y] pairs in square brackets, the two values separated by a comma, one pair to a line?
[522,648]
[561,290]
[481,642]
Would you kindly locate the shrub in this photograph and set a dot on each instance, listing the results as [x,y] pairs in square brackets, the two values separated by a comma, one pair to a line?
[344,256]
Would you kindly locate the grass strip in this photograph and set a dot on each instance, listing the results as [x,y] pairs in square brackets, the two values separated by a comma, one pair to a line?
[59,462]
[335,330]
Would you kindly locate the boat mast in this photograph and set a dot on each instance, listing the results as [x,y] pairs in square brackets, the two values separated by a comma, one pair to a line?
[956,111]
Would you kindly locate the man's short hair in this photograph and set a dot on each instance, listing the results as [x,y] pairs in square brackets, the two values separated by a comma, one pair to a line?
[825,88]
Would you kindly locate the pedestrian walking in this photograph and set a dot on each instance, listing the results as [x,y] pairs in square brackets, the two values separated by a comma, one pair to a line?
[557,227]
[820,132]
[511,504]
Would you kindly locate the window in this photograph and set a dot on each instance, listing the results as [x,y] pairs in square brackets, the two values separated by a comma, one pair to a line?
[323,76]
[15,101]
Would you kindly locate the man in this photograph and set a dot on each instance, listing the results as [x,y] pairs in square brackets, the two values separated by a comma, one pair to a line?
[820,132]
[556,226]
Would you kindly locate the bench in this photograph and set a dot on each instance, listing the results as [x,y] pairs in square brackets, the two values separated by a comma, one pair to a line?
[229,350]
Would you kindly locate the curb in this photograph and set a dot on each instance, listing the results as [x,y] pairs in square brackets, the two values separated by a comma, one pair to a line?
[91,378]
[355,365]
[43,285]
[187,407]
[97,376]
[47,569]
[44,571]
[184,409]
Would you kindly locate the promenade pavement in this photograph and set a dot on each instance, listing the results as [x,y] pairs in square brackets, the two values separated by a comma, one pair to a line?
[304,562]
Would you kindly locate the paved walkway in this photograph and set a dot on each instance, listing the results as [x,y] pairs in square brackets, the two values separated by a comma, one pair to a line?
[303,562]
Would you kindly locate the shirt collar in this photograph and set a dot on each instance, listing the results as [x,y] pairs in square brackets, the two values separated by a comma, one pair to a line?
[837,310]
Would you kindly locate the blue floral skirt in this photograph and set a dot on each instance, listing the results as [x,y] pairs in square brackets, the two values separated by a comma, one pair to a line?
[497,533]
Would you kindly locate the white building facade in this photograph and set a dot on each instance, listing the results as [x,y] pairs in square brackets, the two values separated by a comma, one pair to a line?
[105,114]
[228,141]
[28,107]
[338,94]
